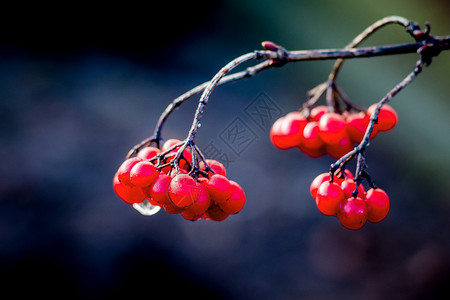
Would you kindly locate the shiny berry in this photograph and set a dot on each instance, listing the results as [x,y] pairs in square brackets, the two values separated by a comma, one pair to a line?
[123,173]
[183,190]
[148,153]
[236,201]
[143,174]
[129,194]
[353,214]
[387,117]
[200,205]
[329,198]
[378,204]
[332,128]
[159,191]
[219,188]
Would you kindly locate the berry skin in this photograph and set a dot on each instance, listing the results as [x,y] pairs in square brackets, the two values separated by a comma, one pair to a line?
[340,149]
[357,124]
[329,198]
[236,201]
[317,112]
[378,204]
[332,128]
[143,174]
[200,205]
[148,153]
[219,188]
[123,173]
[353,214]
[287,131]
[387,118]
[317,182]
[311,136]
[129,194]
[215,166]
[348,186]
[169,143]
[159,191]
[215,213]
[183,190]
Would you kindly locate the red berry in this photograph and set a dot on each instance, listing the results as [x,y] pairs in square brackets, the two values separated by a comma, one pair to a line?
[357,124]
[378,204]
[353,214]
[172,209]
[219,188]
[387,117]
[215,213]
[148,153]
[200,205]
[332,128]
[129,194]
[317,112]
[317,182]
[215,166]
[236,201]
[338,150]
[143,174]
[159,191]
[123,172]
[183,190]
[287,131]
[329,198]
[169,143]
[348,186]
[311,136]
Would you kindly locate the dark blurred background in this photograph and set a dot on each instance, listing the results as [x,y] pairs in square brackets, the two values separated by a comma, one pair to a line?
[81,84]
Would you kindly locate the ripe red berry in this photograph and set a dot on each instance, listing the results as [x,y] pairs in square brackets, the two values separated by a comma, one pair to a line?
[215,213]
[159,190]
[317,112]
[332,128]
[353,214]
[287,131]
[183,190]
[215,166]
[349,185]
[387,117]
[169,143]
[123,173]
[357,124]
[311,136]
[219,188]
[148,153]
[321,178]
[172,209]
[143,174]
[200,205]
[129,194]
[236,201]
[340,149]
[378,204]
[329,198]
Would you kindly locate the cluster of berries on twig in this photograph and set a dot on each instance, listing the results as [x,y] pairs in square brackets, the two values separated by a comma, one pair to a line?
[195,187]
[324,131]
[335,196]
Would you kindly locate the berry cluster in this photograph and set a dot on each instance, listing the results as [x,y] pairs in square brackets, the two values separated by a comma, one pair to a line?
[338,196]
[324,131]
[194,190]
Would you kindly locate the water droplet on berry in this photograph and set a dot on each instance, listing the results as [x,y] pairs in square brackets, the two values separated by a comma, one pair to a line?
[145,208]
